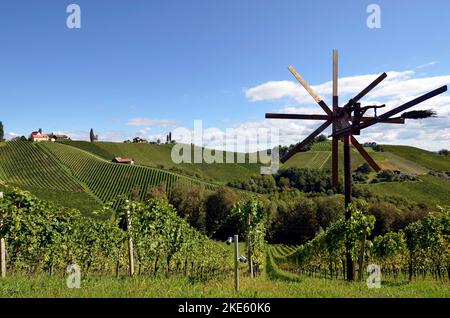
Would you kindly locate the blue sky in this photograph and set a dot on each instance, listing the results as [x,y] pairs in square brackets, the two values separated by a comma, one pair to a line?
[162,64]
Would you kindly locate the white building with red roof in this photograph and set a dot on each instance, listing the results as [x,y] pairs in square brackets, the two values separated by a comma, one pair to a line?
[37,136]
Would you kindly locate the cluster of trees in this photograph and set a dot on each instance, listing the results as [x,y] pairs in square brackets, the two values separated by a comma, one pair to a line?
[292,216]
[260,184]
[391,176]
[444,152]
[169,139]
[305,180]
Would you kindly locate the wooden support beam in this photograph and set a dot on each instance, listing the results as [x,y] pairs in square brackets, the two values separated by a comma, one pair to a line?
[335,141]
[365,155]
[297,116]
[311,92]
[366,90]
[306,141]
[348,201]
[396,120]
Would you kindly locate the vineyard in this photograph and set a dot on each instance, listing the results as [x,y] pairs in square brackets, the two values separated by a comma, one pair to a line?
[108,180]
[44,238]
[159,156]
[24,164]
[421,250]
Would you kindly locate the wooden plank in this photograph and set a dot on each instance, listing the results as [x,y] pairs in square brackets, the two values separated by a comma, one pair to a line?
[335,75]
[348,201]
[334,163]
[311,92]
[366,90]
[396,120]
[335,141]
[365,155]
[306,141]
[297,116]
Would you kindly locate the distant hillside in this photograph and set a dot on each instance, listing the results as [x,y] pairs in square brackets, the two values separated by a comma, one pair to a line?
[108,180]
[403,158]
[24,165]
[421,157]
[159,156]
[80,174]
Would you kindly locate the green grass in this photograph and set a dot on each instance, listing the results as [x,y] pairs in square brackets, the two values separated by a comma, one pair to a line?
[421,157]
[159,156]
[180,287]
[430,190]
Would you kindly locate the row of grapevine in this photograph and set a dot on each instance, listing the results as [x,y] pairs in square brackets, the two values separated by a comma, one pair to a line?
[43,237]
[420,250]
[23,164]
[319,159]
[109,180]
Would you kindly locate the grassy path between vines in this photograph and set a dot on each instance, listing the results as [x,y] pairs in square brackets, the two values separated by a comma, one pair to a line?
[174,287]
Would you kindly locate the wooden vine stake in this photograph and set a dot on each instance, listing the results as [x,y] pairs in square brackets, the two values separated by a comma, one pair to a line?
[130,245]
[2,247]
[249,247]
[361,256]
[3,257]
[236,262]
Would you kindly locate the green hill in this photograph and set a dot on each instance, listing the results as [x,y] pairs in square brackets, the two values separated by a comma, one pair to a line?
[159,156]
[80,174]
[421,157]
[26,166]
[403,158]
[108,180]
[430,190]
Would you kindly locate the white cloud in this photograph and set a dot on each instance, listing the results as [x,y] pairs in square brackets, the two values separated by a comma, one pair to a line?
[396,89]
[12,134]
[143,121]
[426,65]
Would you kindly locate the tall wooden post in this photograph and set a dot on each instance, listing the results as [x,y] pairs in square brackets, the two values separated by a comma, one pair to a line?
[361,256]
[348,200]
[335,140]
[2,247]
[236,262]
[249,247]
[130,245]
[2,258]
